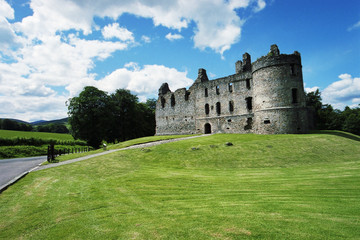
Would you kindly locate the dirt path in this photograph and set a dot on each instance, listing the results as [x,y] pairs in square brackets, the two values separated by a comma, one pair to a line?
[143,145]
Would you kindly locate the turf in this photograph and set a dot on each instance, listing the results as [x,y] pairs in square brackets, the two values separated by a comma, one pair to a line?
[41,135]
[262,187]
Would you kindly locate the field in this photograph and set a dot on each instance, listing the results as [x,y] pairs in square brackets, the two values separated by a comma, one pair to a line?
[262,187]
[15,144]
[41,135]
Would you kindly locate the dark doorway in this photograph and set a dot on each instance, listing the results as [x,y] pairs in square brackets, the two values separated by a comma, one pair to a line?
[207,128]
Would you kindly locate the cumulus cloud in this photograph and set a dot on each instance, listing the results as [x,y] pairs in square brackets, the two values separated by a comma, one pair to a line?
[312,89]
[54,47]
[172,37]
[145,80]
[347,89]
[115,31]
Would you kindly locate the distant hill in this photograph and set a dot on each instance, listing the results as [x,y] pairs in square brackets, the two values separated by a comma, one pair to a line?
[43,122]
[40,122]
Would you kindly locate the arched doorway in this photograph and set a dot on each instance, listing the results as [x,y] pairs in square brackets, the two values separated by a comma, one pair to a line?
[207,128]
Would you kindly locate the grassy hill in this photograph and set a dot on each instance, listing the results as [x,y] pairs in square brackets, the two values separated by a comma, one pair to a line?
[262,187]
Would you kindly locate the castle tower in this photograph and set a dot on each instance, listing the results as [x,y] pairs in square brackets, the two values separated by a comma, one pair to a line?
[278,94]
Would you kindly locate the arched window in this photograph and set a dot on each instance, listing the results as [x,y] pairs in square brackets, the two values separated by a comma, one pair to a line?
[231,106]
[218,108]
[231,87]
[217,90]
[207,109]
[248,84]
[172,100]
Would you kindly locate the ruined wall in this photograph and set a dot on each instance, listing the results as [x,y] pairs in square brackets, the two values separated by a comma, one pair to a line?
[265,97]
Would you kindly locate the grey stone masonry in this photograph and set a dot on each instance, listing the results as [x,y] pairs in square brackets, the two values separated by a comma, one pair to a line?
[263,97]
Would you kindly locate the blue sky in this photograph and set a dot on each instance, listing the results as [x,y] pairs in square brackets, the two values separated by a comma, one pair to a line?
[51,49]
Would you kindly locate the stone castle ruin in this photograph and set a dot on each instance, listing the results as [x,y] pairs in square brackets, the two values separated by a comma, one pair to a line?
[263,97]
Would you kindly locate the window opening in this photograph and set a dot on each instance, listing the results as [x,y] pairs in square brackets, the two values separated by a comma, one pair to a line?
[187,94]
[248,83]
[217,90]
[231,106]
[248,125]
[207,110]
[267,121]
[294,95]
[231,87]
[218,108]
[292,69]
[172,100]
[163,101]
[249,103]
[206,92]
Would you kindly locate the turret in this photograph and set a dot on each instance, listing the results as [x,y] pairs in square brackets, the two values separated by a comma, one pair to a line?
[202,76]
[244,65]
[279,99]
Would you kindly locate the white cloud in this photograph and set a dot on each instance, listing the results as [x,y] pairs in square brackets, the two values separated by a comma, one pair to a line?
[261,4]
[6,11]
[356,25]
[144,81]
[312,89]
[172,37]
[115,31]
[345,90]
[145,39]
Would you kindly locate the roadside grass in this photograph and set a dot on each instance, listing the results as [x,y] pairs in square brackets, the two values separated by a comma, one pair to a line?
[41,135]
[118,146]
[262,187]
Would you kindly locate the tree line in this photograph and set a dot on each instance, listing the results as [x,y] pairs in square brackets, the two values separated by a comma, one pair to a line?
[96,116]
[9,124]
[328,118]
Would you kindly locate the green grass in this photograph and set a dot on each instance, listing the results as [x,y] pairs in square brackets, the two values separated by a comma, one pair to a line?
[41,135]
[118,146]
[262,187]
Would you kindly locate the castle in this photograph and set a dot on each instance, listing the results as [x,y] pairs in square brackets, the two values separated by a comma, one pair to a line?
[263,97]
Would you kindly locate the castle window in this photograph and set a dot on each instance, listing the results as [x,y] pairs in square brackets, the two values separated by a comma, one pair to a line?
[163,101]
[231,106]
[217,90]
[248,84]
[249,103]
[294,95]
[292,70]
[187,94]
[248,125]
[231,87]
[172,100]
[206,92]
[207,110]
[267,121]
[218,108]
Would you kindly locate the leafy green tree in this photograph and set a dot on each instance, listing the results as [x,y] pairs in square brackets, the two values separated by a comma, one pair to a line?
[89,116]
[351,120]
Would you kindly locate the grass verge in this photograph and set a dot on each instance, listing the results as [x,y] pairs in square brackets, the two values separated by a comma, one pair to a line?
[262,187]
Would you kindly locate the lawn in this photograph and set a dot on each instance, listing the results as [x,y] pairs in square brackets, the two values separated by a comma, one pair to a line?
[262,187]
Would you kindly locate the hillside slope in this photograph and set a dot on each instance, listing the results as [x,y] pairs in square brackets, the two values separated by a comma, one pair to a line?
[263,187]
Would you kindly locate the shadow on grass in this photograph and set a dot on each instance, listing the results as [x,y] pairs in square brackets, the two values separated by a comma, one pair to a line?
[338,133]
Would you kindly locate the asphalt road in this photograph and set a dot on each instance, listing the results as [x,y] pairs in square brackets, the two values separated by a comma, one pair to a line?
[12,168]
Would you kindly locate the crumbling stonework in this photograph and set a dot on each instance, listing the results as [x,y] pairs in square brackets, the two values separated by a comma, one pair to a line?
[264,97]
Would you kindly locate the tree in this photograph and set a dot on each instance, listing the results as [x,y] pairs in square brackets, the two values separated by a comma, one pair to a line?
[89,116]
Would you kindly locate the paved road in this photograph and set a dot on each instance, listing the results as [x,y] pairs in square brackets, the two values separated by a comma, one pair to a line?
[12,168]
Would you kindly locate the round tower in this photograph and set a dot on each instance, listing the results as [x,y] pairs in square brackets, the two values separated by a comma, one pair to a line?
[278,95]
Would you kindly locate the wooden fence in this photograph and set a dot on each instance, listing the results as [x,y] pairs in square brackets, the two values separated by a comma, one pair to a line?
[52,153]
